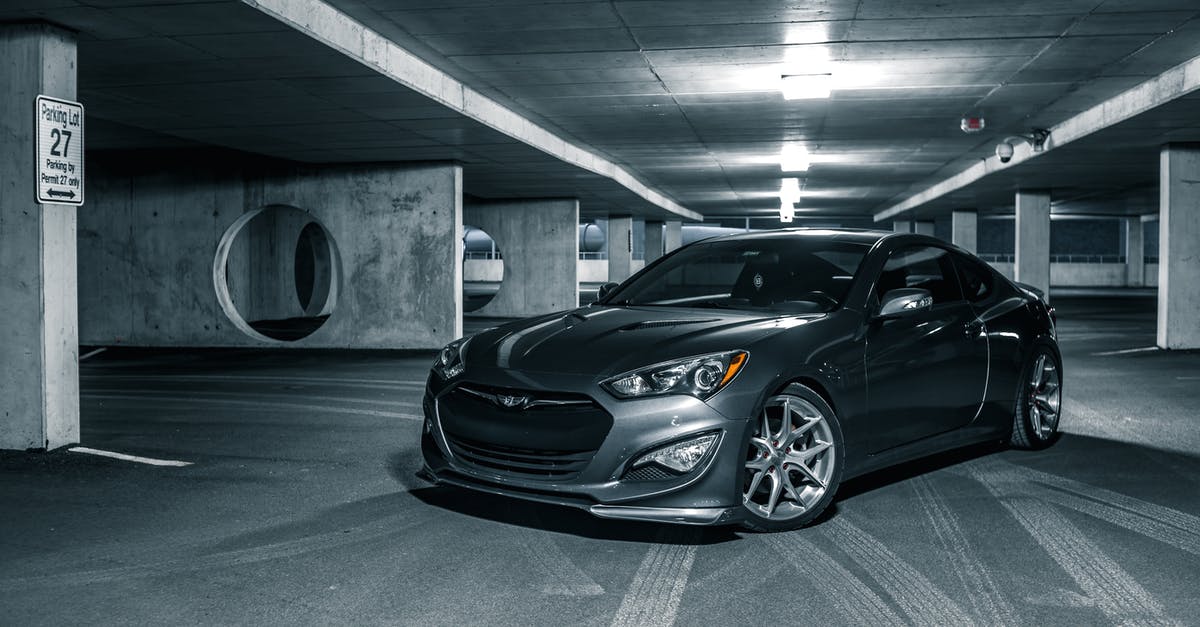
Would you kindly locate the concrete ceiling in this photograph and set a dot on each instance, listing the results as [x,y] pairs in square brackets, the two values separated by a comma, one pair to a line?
[681,93]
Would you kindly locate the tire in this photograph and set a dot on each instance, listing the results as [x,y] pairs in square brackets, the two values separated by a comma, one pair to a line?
[1039,400]
[807,458]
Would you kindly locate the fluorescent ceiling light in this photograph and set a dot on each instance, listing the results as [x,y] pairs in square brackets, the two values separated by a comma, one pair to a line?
[786,212]
[794,158]
[789,191]
[805,86]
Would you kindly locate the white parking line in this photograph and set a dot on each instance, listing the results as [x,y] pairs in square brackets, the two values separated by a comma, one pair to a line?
[1127,351]
[252,403]
[129,458]
[93,353]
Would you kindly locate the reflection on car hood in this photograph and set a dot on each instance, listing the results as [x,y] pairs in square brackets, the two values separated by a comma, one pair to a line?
[611,340]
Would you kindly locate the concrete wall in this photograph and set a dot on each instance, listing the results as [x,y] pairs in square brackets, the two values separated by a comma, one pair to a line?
[540,243]
[148,237]
[484,270]
[1087,274]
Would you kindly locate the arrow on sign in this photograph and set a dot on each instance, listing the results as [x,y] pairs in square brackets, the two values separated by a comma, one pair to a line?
[56,193]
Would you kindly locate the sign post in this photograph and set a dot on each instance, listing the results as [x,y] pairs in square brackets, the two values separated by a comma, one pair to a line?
[59,151]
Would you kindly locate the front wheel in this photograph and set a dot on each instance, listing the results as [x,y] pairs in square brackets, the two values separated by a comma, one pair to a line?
[1039,401]
[793,461]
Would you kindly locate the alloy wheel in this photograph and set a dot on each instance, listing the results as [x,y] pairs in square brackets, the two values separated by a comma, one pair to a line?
[1045,397]
[791,459]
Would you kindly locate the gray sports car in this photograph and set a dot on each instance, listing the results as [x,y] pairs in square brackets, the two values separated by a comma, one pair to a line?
[741,379]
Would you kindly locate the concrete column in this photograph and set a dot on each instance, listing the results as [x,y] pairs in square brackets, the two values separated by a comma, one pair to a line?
[923,227]
[902,226]
[1135,255]
[654,241]
[540,243]
[964,230]
[672,235]
[620,248]
[1179,247]
[1032,262]
[39,361]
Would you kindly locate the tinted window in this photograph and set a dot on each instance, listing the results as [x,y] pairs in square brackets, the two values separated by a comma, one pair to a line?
[923,267]
[976,281]
[780,274]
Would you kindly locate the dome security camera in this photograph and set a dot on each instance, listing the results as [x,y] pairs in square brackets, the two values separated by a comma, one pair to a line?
[1004,151]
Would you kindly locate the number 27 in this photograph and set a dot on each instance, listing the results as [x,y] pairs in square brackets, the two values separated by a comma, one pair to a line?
[63,137]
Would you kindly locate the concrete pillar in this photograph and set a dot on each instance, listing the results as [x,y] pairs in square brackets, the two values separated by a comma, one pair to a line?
[964,230]
[1032,261]
[620,248]
[1135,255]
[923,227]
[654,241]
[672,235]
[1179,247]
[902,226]
[39,361]
[540,243]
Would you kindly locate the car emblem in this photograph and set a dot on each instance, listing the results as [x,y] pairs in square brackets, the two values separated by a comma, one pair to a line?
[512,401]
[758,281]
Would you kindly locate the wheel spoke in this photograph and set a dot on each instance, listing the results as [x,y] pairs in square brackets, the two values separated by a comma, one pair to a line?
[811,452]
[790,490]
[799,432]
[776,490]
[754,483]
[1038,370]
[810,475]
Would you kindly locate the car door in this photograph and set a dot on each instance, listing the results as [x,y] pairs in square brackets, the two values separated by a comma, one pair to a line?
[926,370]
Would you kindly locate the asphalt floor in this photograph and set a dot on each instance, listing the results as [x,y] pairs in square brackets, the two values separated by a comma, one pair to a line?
[300,507]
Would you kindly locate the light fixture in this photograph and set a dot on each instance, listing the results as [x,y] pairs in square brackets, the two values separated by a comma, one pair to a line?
[787,212]
[794,158]
[806,86]
[789,191]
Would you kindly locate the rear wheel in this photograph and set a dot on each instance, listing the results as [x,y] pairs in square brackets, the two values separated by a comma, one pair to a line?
[793,461]
[1039,401]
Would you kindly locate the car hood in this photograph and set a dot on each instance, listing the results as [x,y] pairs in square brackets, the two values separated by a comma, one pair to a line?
[606,341]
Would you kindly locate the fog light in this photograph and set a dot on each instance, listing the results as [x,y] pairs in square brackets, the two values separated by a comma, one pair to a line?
[680,457]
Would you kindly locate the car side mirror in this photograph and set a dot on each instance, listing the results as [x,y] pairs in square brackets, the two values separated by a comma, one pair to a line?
[605,289]
[905,301]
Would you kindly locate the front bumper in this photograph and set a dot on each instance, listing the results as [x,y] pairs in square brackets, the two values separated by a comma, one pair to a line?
[707,495]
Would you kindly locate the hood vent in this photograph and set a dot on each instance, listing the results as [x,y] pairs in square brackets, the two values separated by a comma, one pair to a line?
[652,324]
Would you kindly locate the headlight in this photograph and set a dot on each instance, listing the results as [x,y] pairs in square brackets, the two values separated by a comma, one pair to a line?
[449,362]
[700,376]
[680,457]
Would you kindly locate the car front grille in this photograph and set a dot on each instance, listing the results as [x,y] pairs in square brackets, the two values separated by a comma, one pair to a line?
[550,437]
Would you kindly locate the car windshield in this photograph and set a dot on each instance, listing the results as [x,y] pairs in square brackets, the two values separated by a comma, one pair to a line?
[784,274]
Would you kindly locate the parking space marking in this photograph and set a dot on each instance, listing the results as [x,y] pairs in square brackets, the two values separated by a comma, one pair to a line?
[922,602]
[259,396]
[1115,592]
[235,378]
[252,403]
[1127,351]
[92,353]
[981,590]
[657,589]
[831,581]
[129,458]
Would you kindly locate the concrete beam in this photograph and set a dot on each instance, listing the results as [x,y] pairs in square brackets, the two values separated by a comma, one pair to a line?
[339,31]
[1174,83]
[1179,247]
[964,230]
[1032,260]
[539,240]
[39,361]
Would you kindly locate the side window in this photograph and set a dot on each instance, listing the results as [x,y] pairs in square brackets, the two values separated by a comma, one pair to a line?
[923,267]
[976,281]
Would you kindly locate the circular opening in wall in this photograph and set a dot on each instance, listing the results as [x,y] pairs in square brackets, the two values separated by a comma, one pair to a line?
[277,273]
[483,268]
